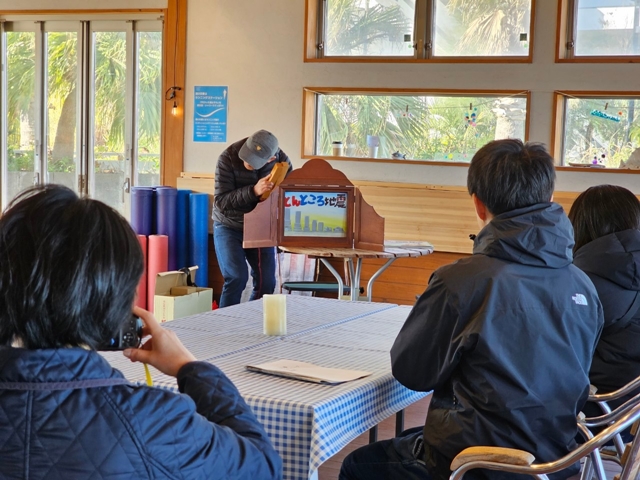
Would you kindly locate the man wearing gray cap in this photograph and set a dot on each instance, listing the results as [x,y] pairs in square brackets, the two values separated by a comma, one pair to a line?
[241,178]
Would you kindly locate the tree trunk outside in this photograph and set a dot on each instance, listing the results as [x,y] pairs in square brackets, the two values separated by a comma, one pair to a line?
[64,144]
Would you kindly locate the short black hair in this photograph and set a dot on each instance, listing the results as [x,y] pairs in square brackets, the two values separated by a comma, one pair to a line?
[602,210]
[69,268]
[508,174]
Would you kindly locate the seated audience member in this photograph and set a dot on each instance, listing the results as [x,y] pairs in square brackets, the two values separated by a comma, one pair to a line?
[606,223]
[69,268]
[504,338]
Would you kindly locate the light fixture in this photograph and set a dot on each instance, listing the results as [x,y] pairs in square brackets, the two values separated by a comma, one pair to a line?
[170,94]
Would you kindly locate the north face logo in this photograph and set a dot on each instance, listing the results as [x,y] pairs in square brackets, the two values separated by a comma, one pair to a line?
[580,299]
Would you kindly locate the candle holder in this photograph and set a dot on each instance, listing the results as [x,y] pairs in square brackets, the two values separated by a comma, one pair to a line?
[274,308]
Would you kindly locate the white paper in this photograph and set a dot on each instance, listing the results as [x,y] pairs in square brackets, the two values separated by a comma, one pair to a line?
[308,372]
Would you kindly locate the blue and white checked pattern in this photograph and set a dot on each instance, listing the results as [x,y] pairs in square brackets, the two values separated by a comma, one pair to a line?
[307,422]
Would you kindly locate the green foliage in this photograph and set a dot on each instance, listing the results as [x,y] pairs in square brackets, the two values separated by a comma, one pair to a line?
[431,128]
[588,136]
[498,23]
[109,80]
[354,27]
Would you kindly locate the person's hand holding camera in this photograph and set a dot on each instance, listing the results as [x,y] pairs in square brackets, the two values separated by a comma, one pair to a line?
[163,350]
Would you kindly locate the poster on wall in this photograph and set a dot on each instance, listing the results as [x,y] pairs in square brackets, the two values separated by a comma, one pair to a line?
[210,114]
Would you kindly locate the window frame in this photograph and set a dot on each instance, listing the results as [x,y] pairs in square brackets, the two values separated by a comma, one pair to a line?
[558,127]
[423,47]
[566,32]
[310,117]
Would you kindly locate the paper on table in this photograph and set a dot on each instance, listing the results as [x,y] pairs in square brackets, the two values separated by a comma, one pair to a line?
[308,372]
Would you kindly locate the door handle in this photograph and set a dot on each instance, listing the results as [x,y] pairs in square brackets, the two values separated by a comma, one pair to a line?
[126,187]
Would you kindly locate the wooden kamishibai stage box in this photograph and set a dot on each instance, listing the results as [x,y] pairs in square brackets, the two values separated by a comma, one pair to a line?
[315,206]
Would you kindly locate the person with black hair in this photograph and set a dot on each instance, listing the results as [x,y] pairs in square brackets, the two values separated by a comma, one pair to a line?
[606,224]
[69,268]
[503,338]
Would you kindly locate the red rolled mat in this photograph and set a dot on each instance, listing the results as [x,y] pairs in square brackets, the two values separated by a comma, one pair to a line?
[141,291]
[158,255]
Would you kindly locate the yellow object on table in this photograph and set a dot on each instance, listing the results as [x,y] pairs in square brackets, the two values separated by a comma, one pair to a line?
[274,309]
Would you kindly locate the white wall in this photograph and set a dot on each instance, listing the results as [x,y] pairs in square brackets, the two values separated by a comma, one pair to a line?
[256,48]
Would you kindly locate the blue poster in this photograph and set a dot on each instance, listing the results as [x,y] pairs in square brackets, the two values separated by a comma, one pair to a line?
[210,114]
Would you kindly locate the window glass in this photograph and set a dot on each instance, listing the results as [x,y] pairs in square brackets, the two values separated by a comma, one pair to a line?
[109,96]
[482,27]
[608,27]
[441,128]
[149,107]
[602,132]
[369,27]
[22,114]
[62,108]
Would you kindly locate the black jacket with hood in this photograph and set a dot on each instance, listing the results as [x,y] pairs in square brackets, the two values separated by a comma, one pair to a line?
[504,338]
[234,195]
[613,265]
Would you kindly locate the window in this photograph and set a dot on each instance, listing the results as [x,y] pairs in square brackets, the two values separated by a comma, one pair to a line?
[598,130]
[602,28]
[419,29]
[82,103]
[447,127]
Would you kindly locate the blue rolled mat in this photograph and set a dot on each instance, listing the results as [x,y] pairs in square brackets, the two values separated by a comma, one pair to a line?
[142,200]
[182,230]
[166,220]
[199,236]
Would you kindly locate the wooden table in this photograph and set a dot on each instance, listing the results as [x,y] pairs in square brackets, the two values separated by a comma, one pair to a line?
[392,250]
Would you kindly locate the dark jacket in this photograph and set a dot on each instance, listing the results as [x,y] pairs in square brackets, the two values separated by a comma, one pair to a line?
[504,338]
[234,195]
[613,265]
[66,414]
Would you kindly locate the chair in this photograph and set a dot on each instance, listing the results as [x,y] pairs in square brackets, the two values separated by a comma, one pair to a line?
[518,461]
[325,287]
[602,401]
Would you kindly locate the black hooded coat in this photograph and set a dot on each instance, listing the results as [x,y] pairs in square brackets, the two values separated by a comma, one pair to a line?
[504,339]
[612,263]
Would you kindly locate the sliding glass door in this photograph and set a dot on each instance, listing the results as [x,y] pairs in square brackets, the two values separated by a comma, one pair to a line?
[81,106]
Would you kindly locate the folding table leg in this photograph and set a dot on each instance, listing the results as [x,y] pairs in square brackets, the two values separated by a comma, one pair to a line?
[399,422]
[373,434]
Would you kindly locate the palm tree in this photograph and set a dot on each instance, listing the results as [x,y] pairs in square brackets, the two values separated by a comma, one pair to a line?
[498,23]
[356,26]
[109,79]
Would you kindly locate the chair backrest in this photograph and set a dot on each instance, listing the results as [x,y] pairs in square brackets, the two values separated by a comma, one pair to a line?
[465,462]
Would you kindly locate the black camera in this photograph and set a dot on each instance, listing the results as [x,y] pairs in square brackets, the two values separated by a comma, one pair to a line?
[129,336]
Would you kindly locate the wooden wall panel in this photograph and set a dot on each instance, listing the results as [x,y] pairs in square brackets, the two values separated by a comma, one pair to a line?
[442,215]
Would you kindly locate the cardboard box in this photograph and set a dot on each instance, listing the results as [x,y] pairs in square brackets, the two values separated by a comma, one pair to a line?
[175,299]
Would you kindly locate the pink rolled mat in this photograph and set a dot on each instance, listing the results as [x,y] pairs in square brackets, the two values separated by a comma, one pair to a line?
[141,292]
[158,255]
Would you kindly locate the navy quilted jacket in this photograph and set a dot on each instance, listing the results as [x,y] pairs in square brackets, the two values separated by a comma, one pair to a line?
[66,414]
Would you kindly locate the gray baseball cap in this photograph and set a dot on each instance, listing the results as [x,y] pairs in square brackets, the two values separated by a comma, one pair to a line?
[258,149]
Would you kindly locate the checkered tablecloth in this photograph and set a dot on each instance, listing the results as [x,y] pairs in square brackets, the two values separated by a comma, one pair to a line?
[307,422]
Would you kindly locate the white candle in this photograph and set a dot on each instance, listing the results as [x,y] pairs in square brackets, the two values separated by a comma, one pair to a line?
[274,308]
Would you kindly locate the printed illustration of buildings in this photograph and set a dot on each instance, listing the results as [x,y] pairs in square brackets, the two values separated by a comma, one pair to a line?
[297,226]
[321,226]
[314,226]
[287,220]
[306,223]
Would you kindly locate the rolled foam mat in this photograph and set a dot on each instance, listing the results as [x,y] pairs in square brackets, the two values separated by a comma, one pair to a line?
[141,292]
[158,254]
[199,236]
[166,220]
[182,230]
[142,210]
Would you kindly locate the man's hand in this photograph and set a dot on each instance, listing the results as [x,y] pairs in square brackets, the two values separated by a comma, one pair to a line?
[163,350]
[263,186]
